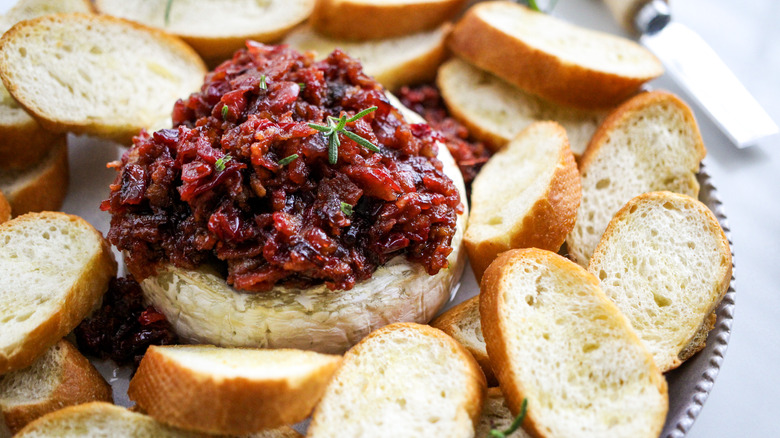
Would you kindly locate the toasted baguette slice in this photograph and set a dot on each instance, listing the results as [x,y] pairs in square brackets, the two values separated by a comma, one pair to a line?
[230,390]
[526,196]
[496,415]
[99,420]
[215,29]
[29,9]
[368,19]
[554,338]
[650,143]
[496,111]
[55,268]
[41,187]
[103,76]
[61,377]
[462,323]
[551,58]
[666,263]
[5,209]
[408,59]
[403,380]
[22,140]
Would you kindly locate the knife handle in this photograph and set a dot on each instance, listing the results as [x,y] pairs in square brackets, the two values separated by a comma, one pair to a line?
[625,11]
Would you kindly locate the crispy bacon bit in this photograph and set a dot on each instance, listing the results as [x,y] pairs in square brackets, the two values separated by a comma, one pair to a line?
[212,190]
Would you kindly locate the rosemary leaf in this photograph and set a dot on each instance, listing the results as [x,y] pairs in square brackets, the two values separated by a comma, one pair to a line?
[346,208]
[225,112]
[361,141]
[341,124]
[263,84]
[515,424]
[287,160]
[333,148]
[319,127]
[361,114]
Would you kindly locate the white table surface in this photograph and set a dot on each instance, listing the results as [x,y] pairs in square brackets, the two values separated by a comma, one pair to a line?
[746,34]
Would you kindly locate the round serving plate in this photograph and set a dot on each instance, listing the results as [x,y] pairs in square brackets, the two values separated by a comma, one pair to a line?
[689,385]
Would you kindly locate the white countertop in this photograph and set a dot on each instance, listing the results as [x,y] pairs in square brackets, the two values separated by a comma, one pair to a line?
[743,401]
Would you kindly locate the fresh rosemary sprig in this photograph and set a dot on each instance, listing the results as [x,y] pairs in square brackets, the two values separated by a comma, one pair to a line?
[337,126]
[220,163]
[346,209]
[287,160]
[168,12]
[515,424]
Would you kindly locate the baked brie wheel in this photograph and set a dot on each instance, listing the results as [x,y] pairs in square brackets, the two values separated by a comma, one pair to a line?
[203,308]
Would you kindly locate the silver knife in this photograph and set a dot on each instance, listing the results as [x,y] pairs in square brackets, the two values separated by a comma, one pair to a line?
[697,69]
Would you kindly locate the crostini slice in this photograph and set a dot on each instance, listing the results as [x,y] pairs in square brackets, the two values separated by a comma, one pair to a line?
[61,377]
[555,339]
[525,196]
[495,111]
[55,268]
[666,263]
[230,390]
[403,380]
[552,58]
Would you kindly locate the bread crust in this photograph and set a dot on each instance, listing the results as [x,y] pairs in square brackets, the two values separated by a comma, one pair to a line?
[78,301]
[367,20]
[24,142]
[449,323]
[121,131]
[183,397]
[535,70]
[47,190]
[79,382]
[698,338]
[110,417]
[5,209]
[548,221]
[491,301]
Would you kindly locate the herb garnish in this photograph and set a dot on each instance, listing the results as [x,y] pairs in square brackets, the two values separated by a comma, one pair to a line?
[515,424]
[337,126]
[346,208]
[263,85]
[225,112]
[220,163]
[302,85]
[535,6]
[168,12]
[287,160]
